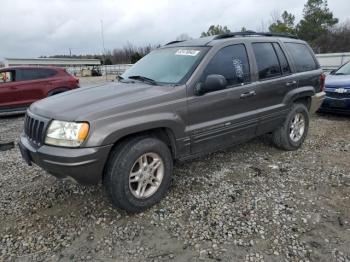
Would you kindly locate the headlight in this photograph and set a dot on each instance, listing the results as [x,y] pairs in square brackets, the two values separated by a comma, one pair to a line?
[67,134]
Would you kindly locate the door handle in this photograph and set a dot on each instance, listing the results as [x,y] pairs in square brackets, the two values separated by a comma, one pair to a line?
[248,94]
[291,83]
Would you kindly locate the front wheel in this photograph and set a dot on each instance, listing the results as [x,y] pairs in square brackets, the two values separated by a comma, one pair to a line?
[291,135]
[138,174]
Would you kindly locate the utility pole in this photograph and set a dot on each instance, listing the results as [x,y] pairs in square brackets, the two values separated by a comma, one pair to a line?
[103,46]
[70,52]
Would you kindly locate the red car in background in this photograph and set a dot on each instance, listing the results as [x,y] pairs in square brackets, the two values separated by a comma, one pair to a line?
[21,86]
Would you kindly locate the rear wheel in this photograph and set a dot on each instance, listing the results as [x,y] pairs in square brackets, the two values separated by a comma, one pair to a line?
[291,135]
[138,174]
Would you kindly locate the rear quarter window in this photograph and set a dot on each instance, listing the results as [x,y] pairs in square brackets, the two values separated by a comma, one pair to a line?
[34,74]
[302,57]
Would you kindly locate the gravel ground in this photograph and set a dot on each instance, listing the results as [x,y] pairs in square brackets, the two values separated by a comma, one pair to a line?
[252,202]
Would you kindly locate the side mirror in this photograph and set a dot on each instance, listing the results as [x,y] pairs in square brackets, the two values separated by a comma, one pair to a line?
[212,83]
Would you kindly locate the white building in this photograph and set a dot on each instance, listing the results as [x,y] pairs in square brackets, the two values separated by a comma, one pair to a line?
[332,61]
[64,62]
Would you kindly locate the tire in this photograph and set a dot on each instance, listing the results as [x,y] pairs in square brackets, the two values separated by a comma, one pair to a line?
[284,137]
[135,156]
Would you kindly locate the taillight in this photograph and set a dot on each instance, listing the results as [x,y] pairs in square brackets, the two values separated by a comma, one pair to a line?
[322,81]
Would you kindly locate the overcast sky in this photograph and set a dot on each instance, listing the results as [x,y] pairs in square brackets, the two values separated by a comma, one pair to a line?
[30,28]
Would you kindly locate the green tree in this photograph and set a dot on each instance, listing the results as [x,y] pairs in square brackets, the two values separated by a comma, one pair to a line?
[317,21]
[135,57]
[107,61]
[216,30]
[284,25]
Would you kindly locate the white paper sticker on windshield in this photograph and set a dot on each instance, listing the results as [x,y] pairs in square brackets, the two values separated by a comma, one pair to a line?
[187,52]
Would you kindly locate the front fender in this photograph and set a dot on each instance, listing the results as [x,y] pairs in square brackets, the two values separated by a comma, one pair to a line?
[111,132]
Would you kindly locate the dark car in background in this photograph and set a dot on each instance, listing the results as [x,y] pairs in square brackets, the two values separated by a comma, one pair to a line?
[337,91]
[21,86]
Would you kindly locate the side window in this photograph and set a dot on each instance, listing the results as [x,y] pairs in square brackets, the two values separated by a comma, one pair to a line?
[29,74]
[302,57]
[45,73]
[232,63]
[282,58]
[266,59]
[7,76]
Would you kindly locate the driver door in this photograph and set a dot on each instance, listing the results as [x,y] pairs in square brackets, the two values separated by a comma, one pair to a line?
[226,116]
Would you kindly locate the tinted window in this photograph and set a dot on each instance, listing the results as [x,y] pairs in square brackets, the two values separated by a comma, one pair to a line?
[303,59]
[32,74]
[266,59]
[45,73]
[232,63]
[282,58]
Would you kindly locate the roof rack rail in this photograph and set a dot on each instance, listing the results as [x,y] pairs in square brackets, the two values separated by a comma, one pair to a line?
[174,42]
[253,33]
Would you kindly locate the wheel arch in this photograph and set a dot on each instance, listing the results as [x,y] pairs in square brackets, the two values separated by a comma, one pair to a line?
[57,91]
[165,134]
[300,95]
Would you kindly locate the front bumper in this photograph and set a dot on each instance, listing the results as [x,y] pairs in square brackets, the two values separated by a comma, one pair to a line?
[339,105]
[84,165]
[316,101]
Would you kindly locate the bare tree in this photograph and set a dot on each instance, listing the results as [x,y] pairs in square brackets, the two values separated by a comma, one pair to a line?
[336,39]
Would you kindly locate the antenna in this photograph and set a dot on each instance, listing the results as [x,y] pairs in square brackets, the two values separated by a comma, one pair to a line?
[103,46]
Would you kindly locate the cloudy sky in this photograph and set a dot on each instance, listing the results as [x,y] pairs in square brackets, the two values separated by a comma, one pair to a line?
[30,28]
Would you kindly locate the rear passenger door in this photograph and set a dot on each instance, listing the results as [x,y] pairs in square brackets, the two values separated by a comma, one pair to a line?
[306,67]
[274,81]
[220,118]
[33,84]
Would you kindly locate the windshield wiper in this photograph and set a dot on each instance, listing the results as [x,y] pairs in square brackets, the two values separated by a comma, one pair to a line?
[337,74]
[143,79]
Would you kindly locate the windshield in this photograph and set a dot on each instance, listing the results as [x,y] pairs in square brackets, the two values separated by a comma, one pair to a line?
[344,70]
[172,65]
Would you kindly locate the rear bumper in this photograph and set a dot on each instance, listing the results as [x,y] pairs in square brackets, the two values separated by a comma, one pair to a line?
[84,165]
[316,101]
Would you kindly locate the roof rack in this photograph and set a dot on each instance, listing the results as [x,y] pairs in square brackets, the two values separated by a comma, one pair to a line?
[253,33]
[174,42]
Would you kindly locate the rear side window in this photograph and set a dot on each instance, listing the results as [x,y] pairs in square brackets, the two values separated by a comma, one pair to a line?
[282,58]
[45,73]
[232,63]
[266,59]
[302,57]
[33,74]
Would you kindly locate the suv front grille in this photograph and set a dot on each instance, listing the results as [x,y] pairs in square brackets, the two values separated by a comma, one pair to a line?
[338,95]
[34,129]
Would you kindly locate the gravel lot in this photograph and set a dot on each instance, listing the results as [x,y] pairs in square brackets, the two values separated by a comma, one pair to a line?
[249,203]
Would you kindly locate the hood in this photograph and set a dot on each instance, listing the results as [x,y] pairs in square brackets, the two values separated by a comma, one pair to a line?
[337,81]
[89,103]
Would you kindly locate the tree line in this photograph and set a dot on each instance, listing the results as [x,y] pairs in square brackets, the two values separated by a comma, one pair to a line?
[318,27]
